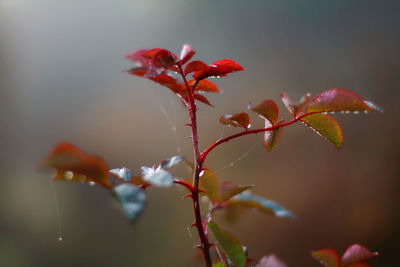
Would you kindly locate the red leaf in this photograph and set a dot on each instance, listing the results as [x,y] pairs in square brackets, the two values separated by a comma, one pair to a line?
[326,126]
[151,52]
[335,100]
[327,257]
[196,65]
[203,99]
[271,138]
[186,54]
[139,71]
[236,120]
[205,86]
[356,253]
[74,165]
[267,110]
[295,108]
[271,261]
[218,69]
[163,59]
[169,82]
[227,65]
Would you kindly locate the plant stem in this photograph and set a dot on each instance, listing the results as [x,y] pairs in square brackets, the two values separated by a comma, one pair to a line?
[204,244]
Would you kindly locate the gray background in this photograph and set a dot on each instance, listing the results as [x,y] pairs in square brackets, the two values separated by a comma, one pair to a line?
[61,79]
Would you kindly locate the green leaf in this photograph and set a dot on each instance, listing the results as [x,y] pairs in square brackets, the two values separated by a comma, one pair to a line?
[229,244]
[327,257]
[228,189]
[157,176]
[123,173]
[334,100]
[218,264]
[131,198]
[236,120]
[263,204]
[209,182]
[267,110]
[171,162]
[271,138]
[326,126]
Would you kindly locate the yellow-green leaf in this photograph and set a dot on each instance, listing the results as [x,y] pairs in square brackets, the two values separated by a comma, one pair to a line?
[326,126]
[229,244]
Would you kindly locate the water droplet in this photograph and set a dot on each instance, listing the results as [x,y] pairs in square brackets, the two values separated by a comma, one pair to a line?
[356,112]
[91,183]
[59,239]
[324,112]
[332,112]
[347,112]
[365,111]
[201,173]
[231,164]
[69,175]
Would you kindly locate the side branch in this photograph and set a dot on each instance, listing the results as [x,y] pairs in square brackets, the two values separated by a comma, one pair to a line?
[247,132]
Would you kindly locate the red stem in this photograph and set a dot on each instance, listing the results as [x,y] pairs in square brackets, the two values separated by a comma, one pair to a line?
[204,244]
[247,132]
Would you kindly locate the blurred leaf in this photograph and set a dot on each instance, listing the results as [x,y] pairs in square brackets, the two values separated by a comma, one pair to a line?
[171,162]
[263,204]
[186,54]
[157,176]
[334,100]
[139,71]
[218,264]
[205,86]
[150,53]
[327,257]
[168,81]
[209,182]
[356,253]
[203,99]
[72,164]
[196,65]
[271,138]
[326,126]
[358,264]
[228,189]
[271,261]
[123,173]
[236,120]
[295,108]
[267,110]
[131,198]
[229,244]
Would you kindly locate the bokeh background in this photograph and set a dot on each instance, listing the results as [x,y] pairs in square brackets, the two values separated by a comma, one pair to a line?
[61,79]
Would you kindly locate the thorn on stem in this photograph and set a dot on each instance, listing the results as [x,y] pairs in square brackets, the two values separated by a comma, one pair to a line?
[189,195]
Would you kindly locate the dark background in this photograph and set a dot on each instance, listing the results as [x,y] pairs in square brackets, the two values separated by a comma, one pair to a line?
[61,79]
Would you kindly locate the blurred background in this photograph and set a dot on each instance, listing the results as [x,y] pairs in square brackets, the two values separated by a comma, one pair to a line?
[61,79]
